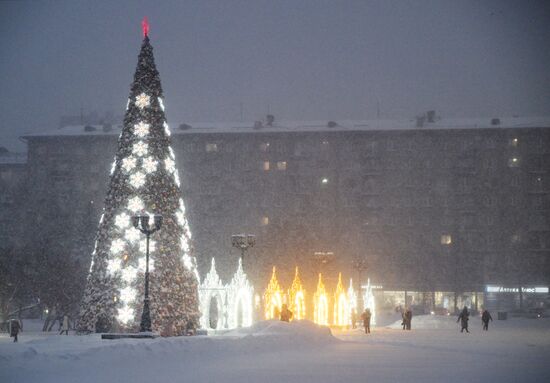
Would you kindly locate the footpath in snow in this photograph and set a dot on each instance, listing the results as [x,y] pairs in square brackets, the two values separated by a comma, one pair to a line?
[434,351]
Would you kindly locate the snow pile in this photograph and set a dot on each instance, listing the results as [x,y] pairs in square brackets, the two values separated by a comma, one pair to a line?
[295,331]
[299,352]
[430,322]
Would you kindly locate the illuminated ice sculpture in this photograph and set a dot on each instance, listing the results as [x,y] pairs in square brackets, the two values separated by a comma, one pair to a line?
[212,291]
[296,298]
[352,301]
[240,300]
[368,301]
[320,304]
[341,310]
[273,298]
[233,301]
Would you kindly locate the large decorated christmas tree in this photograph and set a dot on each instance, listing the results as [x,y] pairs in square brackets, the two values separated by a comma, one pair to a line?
[144,181]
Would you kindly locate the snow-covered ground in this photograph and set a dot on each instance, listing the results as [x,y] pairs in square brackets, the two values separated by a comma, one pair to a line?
[434,351]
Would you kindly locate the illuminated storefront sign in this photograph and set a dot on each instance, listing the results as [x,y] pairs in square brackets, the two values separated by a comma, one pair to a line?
[502,289]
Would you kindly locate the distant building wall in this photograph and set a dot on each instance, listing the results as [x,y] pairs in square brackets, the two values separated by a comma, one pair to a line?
[430,210]
[12,177]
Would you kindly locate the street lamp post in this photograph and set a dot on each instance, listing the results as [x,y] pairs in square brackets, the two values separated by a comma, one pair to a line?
[243,242]
[141,223]
[360,264]
[323,257]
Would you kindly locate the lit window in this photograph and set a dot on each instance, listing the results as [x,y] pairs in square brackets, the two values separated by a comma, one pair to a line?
[264,146]
[324,181]
[281,165]
[265,220]
[513,162]
[446,239]
[210,147]
[266,165]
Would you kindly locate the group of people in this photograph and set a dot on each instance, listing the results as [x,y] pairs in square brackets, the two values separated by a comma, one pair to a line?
[464,317]
[16,327]
[407,315]
[286,315]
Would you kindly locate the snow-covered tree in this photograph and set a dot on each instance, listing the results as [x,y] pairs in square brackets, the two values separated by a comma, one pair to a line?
[144,180]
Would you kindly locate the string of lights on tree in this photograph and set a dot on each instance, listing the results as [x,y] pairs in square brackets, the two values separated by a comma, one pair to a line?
[144,181]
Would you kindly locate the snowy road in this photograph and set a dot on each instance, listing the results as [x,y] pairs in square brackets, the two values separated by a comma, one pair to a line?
[512,351]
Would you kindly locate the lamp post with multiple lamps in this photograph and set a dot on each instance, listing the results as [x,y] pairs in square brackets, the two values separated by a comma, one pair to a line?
[360,264]
[323,257]
[243,242]
[141,222]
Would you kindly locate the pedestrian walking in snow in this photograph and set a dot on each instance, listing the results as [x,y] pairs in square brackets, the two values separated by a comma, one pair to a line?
[353,319]
[464,317]
[403,318]
[485,318]
[408,318]
[15,327]
[65,326]
[286,314]
[366,320]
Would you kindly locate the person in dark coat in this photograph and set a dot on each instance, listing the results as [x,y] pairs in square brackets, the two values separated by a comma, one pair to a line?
[366,320]
[464,317]
[15,327]
[485,318]
[286,314]
[408,318]
[403,318]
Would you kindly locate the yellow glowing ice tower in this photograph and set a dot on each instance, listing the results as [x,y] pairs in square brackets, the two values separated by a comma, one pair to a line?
[273,299]
[296,297]
[352,301]
[341,312]
[320,303]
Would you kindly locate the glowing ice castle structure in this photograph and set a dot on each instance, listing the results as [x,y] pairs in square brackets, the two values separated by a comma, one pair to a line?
[368,299]
[226,306]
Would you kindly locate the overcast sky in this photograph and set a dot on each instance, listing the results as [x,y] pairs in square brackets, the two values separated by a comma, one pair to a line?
[324,60]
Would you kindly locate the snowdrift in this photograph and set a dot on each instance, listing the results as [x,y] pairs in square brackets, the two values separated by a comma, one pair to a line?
[263,336]
[295,332]
[298,352]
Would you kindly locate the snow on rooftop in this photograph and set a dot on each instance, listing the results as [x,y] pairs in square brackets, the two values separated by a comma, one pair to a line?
[314,126]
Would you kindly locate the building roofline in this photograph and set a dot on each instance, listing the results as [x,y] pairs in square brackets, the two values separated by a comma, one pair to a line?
[312,126]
